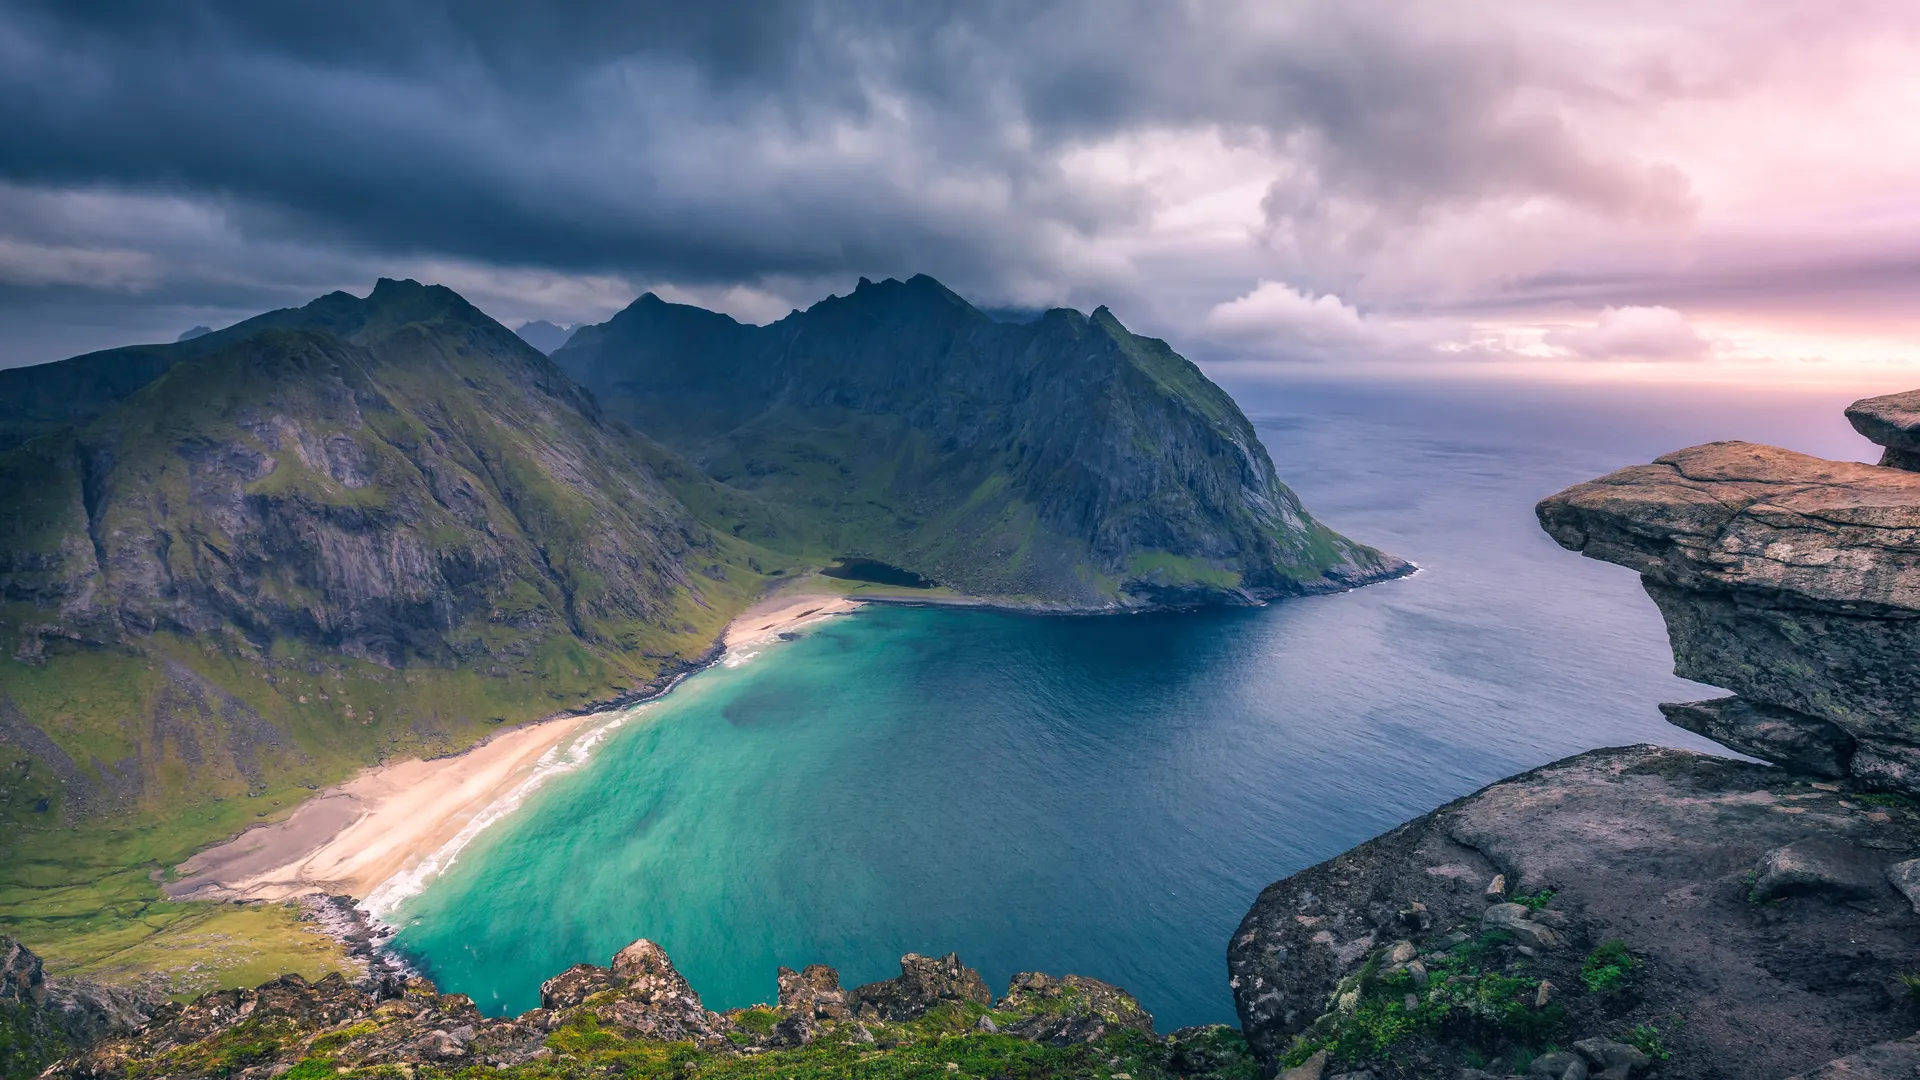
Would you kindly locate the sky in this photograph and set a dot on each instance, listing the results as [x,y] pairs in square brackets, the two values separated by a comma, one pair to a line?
[1712,190]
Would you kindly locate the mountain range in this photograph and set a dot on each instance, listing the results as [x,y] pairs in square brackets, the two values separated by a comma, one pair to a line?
[1064,460]
[544,335]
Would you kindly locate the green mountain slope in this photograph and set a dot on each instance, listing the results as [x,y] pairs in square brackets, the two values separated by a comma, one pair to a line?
[370,528]
[1065,460]
[48,398]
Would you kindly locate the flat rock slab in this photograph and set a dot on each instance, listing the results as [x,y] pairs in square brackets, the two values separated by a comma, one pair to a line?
[1891,420]
[1791,580]
[1824,864]
[1650,846]
[1806,743]
[1838,535]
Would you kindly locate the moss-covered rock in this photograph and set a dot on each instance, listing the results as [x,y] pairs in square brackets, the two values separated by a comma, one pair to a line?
[639,1018]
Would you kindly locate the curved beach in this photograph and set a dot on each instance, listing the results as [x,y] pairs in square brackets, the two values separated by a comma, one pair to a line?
[404,820]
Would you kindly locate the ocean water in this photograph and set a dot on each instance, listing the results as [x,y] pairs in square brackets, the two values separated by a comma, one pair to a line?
[1107,795]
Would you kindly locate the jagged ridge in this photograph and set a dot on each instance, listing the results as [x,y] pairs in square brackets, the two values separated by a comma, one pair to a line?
[1065,460]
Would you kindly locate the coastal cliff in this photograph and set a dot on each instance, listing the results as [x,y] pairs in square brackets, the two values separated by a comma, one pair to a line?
[1650,911]
[1791,580]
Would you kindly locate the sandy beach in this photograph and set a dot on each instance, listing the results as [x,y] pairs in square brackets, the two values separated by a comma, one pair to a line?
[394,819]
[778,615]
[349,838]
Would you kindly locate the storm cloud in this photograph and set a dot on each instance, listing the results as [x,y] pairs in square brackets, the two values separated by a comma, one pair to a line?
[1417,164]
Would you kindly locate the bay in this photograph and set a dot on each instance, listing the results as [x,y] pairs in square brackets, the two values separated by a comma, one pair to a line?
[1107,795]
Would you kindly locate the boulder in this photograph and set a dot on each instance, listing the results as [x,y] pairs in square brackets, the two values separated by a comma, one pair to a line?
[1905,876]
[1559,1065]
[1609,1055]
[923,983]
[1895,1058]
[1070,1009]
[1822,864]
[1515,919]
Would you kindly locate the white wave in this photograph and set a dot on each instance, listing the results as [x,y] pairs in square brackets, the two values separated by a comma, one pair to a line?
[563,758]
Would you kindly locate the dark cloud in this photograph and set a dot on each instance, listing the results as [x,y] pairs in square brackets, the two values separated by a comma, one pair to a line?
[235,151]
[697,139]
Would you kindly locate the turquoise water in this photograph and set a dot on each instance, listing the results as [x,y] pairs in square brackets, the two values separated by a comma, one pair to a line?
[1104,795]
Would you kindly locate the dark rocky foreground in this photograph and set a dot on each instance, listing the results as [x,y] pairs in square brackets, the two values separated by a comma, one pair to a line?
[1720,919]
[639,1017]
[1653,912]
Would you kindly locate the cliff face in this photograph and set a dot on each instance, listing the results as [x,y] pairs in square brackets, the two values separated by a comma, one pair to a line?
[1066,459]
[1791,580]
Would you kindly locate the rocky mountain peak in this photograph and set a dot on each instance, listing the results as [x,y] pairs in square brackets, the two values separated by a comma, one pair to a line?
[938,440]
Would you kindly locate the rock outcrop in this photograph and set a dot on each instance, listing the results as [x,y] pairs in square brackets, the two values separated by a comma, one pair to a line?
[1642,909]
[1717,918]
[1791,580]
[1073,1009]
[1891,421]
[923,982]
[43,1018]
[639,1014]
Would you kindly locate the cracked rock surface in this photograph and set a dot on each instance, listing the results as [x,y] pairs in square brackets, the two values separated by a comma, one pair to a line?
[1655,848]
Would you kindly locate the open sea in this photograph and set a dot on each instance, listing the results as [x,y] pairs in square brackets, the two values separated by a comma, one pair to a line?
[1107,795]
